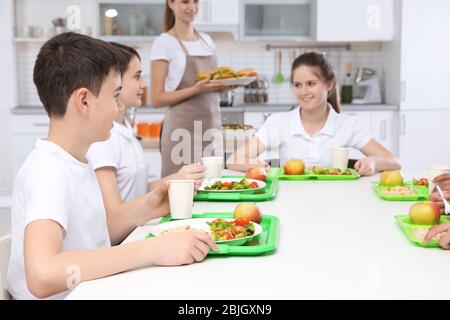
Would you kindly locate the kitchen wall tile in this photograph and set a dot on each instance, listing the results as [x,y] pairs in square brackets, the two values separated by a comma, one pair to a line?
[264,61]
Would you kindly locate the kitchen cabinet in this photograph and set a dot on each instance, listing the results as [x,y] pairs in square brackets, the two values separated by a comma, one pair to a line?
[218,12]
[385,130]
[366,118]
[26,129]
[256,119]
[218,16]
[424,55]
[355,20]
[271,20]
[383,127]
[424,137]
[79,16]
[137,20]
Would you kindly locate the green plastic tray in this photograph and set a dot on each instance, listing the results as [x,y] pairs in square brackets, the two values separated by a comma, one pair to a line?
[421,193]
[408,227]
[265,243]
[269,193]
[308,175]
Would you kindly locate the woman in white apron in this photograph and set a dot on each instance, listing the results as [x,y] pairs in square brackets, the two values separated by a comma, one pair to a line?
[194,107]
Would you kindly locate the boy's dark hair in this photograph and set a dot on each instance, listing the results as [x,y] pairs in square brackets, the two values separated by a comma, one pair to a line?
[70,61]
[129,52]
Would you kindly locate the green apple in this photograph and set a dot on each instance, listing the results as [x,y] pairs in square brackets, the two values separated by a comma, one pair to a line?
[425,213]
[391,178]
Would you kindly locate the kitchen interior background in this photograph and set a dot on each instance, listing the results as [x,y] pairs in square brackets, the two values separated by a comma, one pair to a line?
[411,65]
[238,56]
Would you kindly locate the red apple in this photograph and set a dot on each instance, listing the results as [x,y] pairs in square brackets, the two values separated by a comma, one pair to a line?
[294,167]
[425,212]
[257,173]
[247,211]
[391,178]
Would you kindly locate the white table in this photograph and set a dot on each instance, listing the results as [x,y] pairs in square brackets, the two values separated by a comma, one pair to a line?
[337,241]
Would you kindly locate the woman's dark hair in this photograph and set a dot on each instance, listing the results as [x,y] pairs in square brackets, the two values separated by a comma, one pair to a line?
[169,17]
[326,74]
[127,51]
[70,61]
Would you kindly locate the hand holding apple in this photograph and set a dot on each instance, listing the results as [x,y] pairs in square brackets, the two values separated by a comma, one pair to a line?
[294,167]
[257,173]
[425,213]
[247,211]
[444,242]
[391,178]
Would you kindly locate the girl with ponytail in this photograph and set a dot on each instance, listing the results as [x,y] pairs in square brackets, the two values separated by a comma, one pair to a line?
[315,127]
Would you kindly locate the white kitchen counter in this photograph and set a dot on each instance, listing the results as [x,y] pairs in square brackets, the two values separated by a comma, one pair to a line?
[337,241]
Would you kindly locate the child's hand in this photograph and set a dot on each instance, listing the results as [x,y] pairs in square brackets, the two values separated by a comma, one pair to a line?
[259,164]
[191,172]
[444,242]
[436,198]
[366,166]
[182,248]
[443,181]
[158,200]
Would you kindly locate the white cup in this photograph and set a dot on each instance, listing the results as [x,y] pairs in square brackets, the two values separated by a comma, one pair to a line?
[181,198]
[339,158]
[213,167]
[433,172]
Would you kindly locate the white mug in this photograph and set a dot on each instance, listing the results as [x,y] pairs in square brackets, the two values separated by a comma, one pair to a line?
[181,198]
[433,172]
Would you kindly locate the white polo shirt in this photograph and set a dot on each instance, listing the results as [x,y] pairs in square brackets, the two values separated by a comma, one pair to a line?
[123,152]
[166,47]
[285,131]
[53,185]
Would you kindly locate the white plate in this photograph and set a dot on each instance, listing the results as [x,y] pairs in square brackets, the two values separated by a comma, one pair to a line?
[209,182]
[201,224]
[243,81]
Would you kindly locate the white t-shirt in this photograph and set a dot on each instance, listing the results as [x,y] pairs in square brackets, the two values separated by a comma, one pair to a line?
[166,47]
[53,185]
[123,152]
[285,130]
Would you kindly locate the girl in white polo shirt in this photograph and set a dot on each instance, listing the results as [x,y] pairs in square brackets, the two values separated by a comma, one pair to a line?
[310,131]
[119,162]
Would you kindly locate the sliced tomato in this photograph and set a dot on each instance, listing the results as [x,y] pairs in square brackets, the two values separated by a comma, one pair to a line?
[241,222]
[227,235]
[227,185]
[238,229]
[254,184]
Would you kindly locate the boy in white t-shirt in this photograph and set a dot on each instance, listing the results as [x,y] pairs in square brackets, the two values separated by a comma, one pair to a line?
[60,233]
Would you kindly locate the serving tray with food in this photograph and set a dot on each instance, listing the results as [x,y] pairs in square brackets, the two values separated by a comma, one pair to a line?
[267,193]
[234,236]
[295,170]
[231,185]
[228,76]
[400,190]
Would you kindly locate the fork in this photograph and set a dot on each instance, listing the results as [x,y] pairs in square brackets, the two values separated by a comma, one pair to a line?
[446,204]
